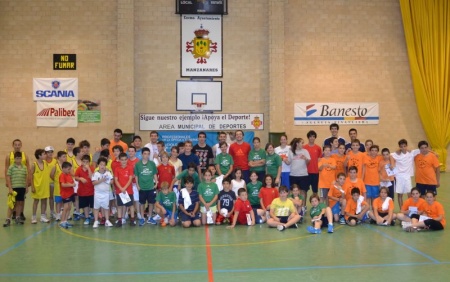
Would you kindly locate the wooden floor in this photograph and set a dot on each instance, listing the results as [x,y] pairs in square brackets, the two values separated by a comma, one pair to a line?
[45,252]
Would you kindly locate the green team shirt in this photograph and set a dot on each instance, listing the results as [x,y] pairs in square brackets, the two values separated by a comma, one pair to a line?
[18,176]
[253,192]
[146,174]
[167,201]
[208,191]
[315,211]
[256,156]
[185,173]
[299,196]
[273,162]
[224,161]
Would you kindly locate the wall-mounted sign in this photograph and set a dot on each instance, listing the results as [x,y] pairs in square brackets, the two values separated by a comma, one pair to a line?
[218,7]
[55,89]
[64,61]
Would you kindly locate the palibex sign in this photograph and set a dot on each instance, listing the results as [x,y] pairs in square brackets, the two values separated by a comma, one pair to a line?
[55,89]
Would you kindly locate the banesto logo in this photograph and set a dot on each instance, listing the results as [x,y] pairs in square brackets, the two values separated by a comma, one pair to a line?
[53,112]
[328,111]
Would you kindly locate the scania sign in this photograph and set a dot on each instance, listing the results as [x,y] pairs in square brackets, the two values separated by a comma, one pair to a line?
[341,113]
[55,89]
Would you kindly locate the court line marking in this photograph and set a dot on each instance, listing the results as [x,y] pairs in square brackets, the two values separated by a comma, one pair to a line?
[187,246]
[21,242]
[209,256]
[403,244]
[180,272]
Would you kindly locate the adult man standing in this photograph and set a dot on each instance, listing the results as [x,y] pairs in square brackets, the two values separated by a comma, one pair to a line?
[153,145]
[353,133]
[117,141]
[239,152]
[334,129]
[203,151]
[216,148]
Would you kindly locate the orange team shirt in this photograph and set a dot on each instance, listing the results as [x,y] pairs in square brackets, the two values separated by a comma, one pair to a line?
[333,192]
[351,207]
[382,170]
[349,185]
[113,143]
[327,175]
[66,192]
[339,163]
[420,204]
[434,210]
[378,203]
[356,160]
[426,168]
[166,173]
[267,195]
[371,173]
[123,175]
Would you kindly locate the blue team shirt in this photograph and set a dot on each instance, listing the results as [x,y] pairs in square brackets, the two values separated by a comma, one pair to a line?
[194,199]
[192,158]
[227,199]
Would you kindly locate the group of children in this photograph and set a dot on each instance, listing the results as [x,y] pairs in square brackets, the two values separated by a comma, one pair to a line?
[126,184]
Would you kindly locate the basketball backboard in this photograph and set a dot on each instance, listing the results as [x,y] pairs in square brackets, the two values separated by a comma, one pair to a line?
[192,93]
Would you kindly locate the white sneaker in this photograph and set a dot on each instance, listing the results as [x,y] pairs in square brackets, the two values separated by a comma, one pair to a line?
[53,215]
[108,224]
[156,217]
[405,225]
[124,221]
[33,219]
[166,220]
[95,224]
[44,219]
[58,217]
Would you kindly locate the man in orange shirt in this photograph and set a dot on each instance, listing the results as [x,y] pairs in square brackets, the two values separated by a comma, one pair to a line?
[427,169]
[117,141]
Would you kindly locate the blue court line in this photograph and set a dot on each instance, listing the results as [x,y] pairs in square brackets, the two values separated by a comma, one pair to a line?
[403,244]
[20,243]
[406,264]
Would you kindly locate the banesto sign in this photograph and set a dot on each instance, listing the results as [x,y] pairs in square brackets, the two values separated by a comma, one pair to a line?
[64,61]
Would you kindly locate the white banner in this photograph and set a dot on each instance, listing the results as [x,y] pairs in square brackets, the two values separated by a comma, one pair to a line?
[201,121]
[340,113]
[57,114]
[201,45]
[55,89]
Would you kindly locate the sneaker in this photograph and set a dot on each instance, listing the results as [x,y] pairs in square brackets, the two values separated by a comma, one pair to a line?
[281,227]
[69,218]
[103,221]
[330,228]
[58,217]
[405,224]
[22,217]
[7,223]
[141,222]
[119,223]
[132,222]
[411,229]
[294,226]
[156,217]
[342,220]
[33,219]
[63,225]
[69,224]
[108,223]
[86,221]
[53,215]
[151,221]
[76,217]
[44,219]
[312,230]
[162,223]
[95,224]
[124,221]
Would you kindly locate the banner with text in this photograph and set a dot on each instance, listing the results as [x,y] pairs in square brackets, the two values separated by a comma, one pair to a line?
[340,113]
[56,114]
[55,89]
[201,122]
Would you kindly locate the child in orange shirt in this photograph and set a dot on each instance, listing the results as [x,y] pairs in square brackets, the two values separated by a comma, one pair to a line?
[267,194]
[434,215]
[356,209]
[355,158]
[413,205]
[327,174]
[340,159]
[383,208]
[371,175]
[353,181]
[336,198]
[427,169]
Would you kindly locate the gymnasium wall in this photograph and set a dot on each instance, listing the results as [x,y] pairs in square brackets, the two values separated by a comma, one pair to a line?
[276,53]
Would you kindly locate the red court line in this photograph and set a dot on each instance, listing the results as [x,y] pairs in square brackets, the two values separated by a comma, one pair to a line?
[208,255]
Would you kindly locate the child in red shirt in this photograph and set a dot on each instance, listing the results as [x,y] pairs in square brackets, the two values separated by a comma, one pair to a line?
[67,193]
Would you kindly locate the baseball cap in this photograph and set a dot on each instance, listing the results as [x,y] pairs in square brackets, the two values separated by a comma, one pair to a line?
[49,148]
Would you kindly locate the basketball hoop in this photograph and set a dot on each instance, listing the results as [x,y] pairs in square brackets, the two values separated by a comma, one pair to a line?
[198,106]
